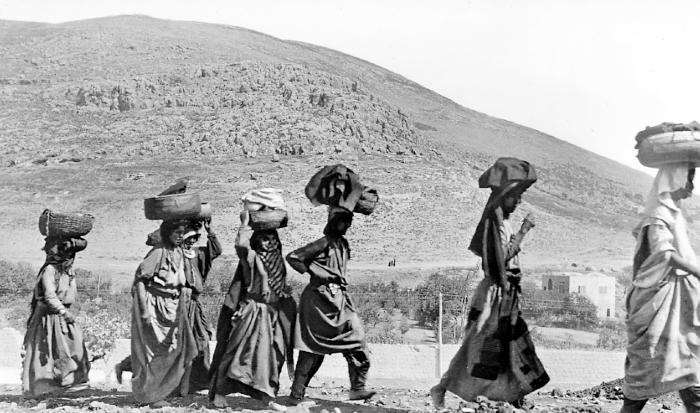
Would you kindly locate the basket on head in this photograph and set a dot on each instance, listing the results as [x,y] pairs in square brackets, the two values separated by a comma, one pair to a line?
[65,224]
[669,143]
[367,202]
[266,219]
[173,206]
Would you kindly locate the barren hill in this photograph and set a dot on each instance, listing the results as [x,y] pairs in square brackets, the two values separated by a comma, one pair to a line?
[99,114]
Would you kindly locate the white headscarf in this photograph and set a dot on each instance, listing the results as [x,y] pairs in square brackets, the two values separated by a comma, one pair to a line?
[659,203]
[661,207]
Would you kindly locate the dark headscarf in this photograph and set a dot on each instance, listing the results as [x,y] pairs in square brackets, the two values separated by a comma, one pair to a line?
[507,176]
[336,213]
[272,260]
[60,251]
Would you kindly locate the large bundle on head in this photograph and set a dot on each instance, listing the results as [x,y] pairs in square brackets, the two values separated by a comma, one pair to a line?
[508,172]
[669,143]
[64,224]
[338,185]
[266,208]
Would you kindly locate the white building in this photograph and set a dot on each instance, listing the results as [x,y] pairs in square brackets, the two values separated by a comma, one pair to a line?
[599,288]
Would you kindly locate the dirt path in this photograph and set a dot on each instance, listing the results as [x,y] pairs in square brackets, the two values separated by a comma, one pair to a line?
[329,398]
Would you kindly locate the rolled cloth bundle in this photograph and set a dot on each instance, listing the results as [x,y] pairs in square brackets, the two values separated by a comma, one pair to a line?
[335,185]
[267,197]
[267,209]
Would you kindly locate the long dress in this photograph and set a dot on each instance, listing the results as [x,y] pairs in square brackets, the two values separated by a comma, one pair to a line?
[328,322]
[163,349]
[253,345]
[497,357]
[196,271]
[55,357]
[663,320]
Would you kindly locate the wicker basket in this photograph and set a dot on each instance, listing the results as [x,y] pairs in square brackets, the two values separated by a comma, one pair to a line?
[173,206]
[367,202]
[266,219]
[66,225]
[668,148]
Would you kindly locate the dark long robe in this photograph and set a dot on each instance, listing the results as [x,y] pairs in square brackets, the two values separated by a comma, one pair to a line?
[252,345]
[327,321]
[196,271]
[56,357]
[497,358]
[162,350]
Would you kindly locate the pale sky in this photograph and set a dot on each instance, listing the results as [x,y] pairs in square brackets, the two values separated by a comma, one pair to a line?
[590,72]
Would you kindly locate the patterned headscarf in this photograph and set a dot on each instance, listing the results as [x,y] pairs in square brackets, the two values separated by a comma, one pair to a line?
[272,260]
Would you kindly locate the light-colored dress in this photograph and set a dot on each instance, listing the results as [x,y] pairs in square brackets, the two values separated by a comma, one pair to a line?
[55,357]
[161,351]
[663,315]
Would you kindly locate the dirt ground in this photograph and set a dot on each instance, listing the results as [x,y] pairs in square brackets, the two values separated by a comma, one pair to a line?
[331,397]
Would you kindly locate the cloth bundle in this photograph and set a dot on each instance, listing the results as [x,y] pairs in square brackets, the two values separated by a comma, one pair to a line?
[338,185]
[267,197]
[266,209]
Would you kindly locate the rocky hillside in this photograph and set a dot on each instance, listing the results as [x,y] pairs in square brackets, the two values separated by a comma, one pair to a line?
[99,114]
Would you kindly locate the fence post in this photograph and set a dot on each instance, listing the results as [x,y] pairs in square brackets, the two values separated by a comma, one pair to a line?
[99,281]
[438,353]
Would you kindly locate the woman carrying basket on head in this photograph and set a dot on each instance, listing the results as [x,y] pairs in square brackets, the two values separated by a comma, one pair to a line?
[663,324]
[254,334]
[163,345]
[55,356]
[197,266]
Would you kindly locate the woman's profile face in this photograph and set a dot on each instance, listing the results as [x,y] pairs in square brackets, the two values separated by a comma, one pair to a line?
[510,202]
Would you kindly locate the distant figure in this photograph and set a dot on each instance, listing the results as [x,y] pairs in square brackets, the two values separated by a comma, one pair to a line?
[663,325]
[328,322]
[497,357]
[56,359]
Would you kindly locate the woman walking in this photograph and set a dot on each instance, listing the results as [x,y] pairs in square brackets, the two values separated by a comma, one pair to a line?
[328,322]
[254,333]
[497,358]
[55,358]
[663,354]
[198,262]
[162,343]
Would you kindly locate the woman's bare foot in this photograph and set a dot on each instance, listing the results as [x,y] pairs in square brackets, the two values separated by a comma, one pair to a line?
[276,406]
[437,394]
[220,401]
[159,404]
